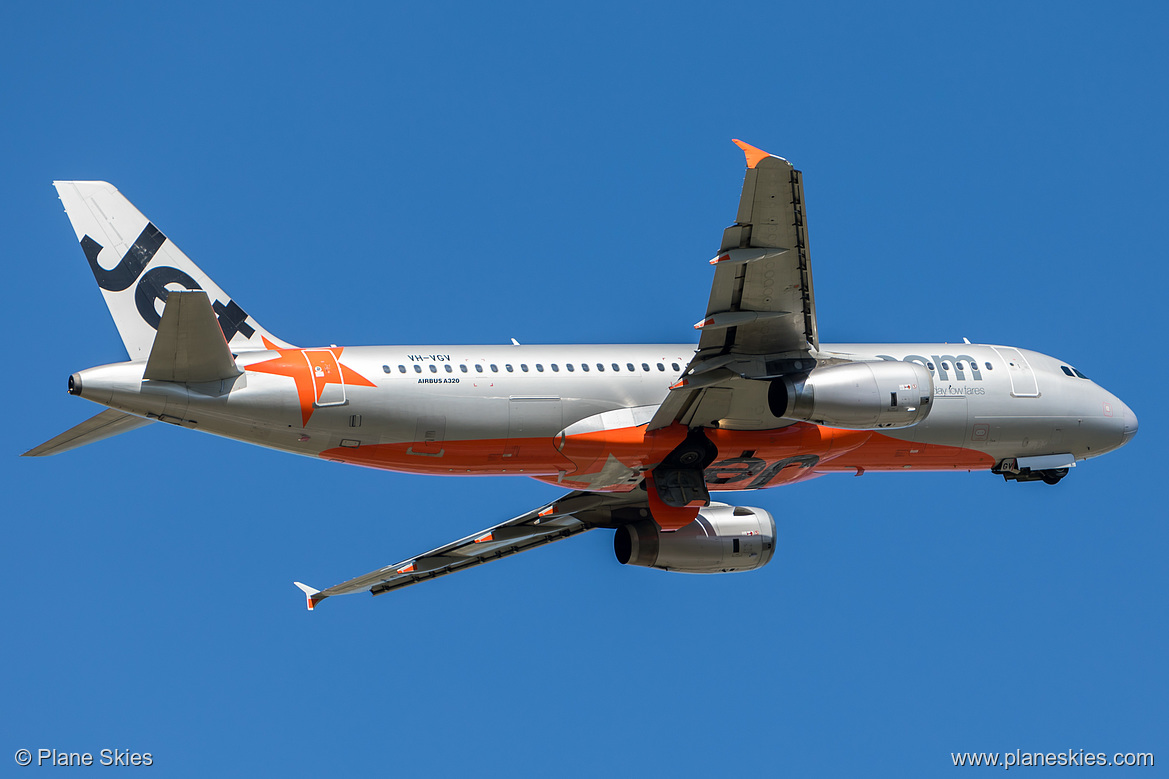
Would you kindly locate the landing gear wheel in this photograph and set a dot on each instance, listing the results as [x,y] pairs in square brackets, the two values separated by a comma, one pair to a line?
[1053,476]
[696,452]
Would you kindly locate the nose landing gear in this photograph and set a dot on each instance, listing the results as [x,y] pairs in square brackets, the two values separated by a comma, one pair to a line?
[1010,471]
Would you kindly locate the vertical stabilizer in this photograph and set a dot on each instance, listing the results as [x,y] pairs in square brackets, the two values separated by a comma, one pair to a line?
[136,267]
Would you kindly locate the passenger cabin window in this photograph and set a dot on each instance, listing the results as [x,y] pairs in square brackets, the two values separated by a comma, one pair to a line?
[616,367]
[959,366]
[448,368]
[401,369]
[675,366]
[478,368]
[929,365]
[989,367]
[417,368]
[645,367]
[600,366]
[539,368]
[945,365]
[523,367]
[661,367]
[584,366]
[629,366]
[509,368]
[494,368]
[555,368]
[463,367]
[433,368]
[569,367]
[386,368]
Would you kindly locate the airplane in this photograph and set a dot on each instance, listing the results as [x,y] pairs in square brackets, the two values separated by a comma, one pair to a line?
[639,435]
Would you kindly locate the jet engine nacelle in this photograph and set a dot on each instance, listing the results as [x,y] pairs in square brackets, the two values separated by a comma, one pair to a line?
[856,395]
[722,539]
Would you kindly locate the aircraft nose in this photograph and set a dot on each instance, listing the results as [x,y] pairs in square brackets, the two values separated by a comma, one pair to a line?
[1130,422]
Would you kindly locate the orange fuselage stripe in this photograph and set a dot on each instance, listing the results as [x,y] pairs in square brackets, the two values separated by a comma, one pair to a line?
[746,459]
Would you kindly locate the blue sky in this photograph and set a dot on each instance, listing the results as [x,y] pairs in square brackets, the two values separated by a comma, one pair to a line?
[447,173]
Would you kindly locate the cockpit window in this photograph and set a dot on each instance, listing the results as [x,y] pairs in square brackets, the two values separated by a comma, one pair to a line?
[1082,376]
[1066,370]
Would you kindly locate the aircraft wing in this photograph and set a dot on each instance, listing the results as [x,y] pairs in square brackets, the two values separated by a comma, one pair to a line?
[761,318]
[567,516]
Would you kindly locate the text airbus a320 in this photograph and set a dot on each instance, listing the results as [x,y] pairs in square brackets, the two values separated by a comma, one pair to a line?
[639,435]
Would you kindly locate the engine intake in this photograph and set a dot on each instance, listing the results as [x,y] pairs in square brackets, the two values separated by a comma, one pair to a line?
[856,395]
[723,539]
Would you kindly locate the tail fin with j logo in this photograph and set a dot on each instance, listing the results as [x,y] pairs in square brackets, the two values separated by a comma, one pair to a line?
[136,267]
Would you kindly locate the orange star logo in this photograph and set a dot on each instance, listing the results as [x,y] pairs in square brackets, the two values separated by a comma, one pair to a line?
[312,370]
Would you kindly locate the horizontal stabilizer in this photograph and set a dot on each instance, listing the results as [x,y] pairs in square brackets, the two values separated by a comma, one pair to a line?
[190,346]
[106,424]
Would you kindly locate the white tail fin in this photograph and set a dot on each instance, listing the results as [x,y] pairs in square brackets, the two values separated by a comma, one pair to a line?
[136,267]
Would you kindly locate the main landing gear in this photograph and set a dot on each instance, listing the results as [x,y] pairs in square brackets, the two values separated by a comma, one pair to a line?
[680,479]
